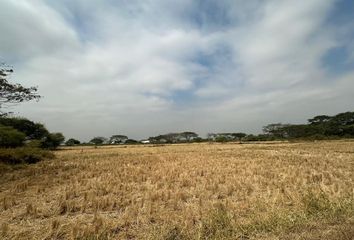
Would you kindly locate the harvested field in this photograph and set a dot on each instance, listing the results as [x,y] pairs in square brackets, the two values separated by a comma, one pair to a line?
[195,191]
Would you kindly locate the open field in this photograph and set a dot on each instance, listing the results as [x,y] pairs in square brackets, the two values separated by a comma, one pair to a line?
[195,191]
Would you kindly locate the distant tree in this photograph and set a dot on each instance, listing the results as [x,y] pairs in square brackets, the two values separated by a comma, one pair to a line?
[339,125]
[172,137]
[239,136]
[116,139]
[276,130]
[131,141]
[198,139]
[221,138]
[343,119]
[319,119]
[348,131]
[165,138]
[251,137]
[72,142]
[189,135]
[98,140]
[10,137]
[11,93]
[301,130]
[52,140]
[211,136]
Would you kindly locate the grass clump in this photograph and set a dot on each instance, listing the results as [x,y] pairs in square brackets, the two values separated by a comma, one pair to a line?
[175,233]
[218,225]
[316,204]
[321,206]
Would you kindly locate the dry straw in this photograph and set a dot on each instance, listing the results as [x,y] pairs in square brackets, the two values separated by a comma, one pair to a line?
[194,191]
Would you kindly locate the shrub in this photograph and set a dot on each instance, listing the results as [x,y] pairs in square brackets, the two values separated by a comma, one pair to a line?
[98,140]
[53,140]
[221,139]
[10,137]
[30,129]
[23,155]
[72,142]
[198,139]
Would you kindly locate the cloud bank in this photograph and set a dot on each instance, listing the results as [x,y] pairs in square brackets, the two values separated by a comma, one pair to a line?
[143,68]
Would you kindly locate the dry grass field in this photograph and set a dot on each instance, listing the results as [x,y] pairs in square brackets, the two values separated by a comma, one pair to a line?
[195,191]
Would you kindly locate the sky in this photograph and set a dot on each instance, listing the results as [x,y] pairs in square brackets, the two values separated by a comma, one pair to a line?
[143,68]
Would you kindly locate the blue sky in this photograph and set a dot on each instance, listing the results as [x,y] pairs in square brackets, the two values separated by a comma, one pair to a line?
[143,68]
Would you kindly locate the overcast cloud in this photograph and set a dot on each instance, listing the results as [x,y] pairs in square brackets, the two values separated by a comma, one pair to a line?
[143,68]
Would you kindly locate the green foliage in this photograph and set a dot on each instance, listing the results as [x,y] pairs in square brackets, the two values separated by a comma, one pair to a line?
[23,155]
[131,141]
[30,129]
[189,136]
[239,136]
[116,139]
[199,139]
[259,137]
[52,140]
[300,131]
[34,131]
[276,130]
[72,142]
[319,127]
[98,140]
[321,119]
[10,137]
[221,139]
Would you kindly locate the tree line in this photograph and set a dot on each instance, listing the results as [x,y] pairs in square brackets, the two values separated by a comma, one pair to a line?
[320,127]
[340,125]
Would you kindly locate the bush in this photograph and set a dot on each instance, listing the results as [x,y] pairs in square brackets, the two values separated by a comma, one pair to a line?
[198,139]
[221,139]
[10,137]
[53,140]
[30,129]
[72,142]
[23,155]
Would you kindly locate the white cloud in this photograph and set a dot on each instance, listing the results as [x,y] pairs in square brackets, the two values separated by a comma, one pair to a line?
[110,67]
[31,28]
